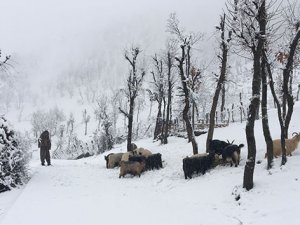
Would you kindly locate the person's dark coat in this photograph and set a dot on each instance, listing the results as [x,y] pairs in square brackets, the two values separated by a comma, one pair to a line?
[44,144]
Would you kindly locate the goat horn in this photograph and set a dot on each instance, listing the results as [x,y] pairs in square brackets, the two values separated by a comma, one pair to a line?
[295,133]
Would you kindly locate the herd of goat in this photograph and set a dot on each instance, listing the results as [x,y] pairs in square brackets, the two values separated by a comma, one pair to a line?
[134,162]
[139,160]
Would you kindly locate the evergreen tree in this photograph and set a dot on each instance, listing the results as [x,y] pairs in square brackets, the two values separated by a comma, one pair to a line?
[14,157]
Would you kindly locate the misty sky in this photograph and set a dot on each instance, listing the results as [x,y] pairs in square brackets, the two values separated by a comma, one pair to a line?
[47,36]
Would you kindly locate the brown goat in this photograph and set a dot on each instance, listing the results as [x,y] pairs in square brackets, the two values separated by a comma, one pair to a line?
[113,160]
[290,145]
[133,168]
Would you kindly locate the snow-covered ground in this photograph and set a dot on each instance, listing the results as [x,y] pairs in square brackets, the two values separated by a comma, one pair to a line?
[84,192]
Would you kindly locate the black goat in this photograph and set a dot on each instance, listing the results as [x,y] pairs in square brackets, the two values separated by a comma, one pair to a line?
[217,146]
[154,161]
[231,153]
[137,158]
[197,164]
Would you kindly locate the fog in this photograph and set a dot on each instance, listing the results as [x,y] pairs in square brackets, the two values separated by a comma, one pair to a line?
[48,37]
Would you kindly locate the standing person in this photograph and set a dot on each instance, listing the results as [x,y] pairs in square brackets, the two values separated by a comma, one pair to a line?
[44,144]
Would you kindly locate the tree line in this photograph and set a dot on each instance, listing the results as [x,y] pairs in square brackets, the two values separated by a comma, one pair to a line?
[267,33]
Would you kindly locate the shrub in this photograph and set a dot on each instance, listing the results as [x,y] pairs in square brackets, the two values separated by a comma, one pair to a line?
[14,157]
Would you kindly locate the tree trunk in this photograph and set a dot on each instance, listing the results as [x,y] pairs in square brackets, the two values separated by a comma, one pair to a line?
[279,113]
[163,121]
[190,131]
[257,113]
[193,115]
[228,119]
[137,121]
[290,103]
[133,83]
[166,133]
[286,76]
[223,103]
[207,118]
[253,107]
[150,111]
[85,129]
[242,106]
[232,113]
[130,124]
[264,112]
[241,114]
[254,104]
[158,124]
[220,84]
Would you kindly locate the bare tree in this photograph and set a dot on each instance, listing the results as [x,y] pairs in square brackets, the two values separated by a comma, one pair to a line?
[106,123]
[272,27]
[222,107]
[70,123]
[50,121]
[288,99]
[86,119]
[100,108]
[170,56]
[264,112]
[115,110]
[134,83]
[4,62]
[4,69]
[159,93]
[196,76]
[224,47]
[139,106]
[286,58]
[184,67]
[248,23]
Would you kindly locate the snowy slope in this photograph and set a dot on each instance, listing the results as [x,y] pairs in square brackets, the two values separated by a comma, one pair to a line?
[85,192]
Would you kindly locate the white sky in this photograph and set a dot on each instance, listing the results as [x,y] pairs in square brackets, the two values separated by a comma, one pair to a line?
[47,35]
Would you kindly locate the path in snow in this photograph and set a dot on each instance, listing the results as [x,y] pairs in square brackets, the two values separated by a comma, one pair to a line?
[84,193]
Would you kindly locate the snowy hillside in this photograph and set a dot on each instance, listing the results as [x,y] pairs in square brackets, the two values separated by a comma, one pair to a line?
[97,75]
[85,192]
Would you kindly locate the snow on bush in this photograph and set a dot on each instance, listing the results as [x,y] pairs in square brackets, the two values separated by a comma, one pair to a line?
[14,157]
[50,121]
[71,147]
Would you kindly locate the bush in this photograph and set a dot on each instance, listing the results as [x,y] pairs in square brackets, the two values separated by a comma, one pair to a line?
[71,147]
[14,157]
[50,121]
[102,141]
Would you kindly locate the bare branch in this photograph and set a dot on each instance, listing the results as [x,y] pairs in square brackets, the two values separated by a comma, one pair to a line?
[123,112]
